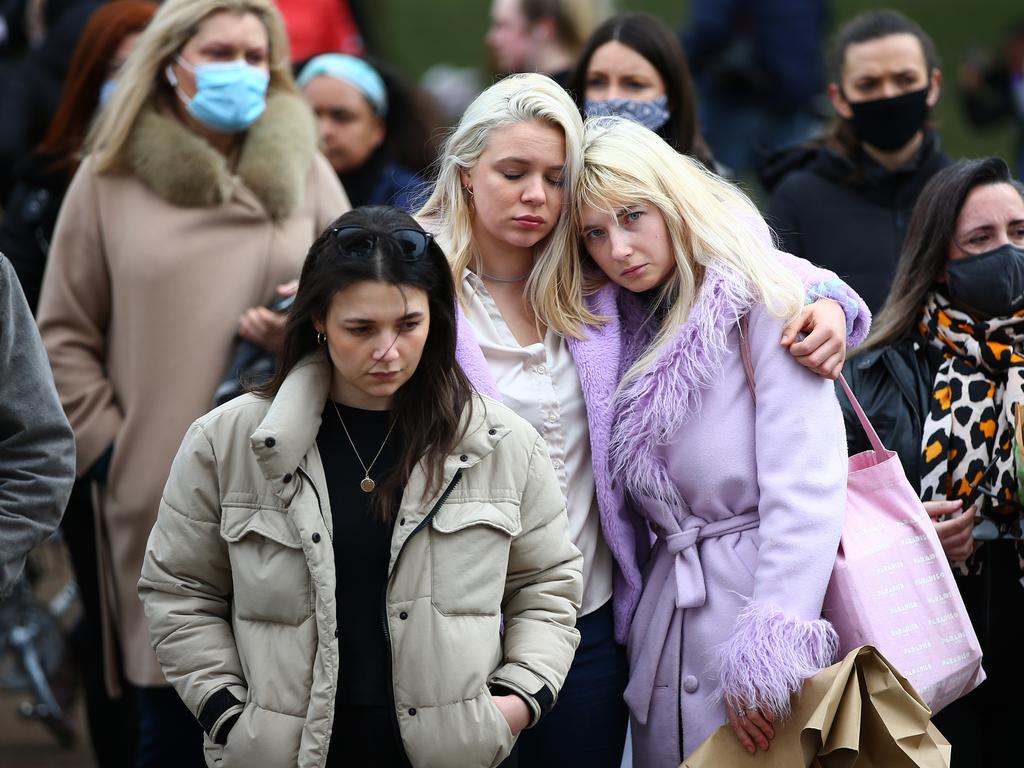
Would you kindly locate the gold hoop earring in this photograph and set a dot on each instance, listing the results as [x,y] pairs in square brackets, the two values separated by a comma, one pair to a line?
[321,337]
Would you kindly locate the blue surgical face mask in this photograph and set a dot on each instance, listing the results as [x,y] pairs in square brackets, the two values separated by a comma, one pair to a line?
[652,113]
[106,91]
[230,96]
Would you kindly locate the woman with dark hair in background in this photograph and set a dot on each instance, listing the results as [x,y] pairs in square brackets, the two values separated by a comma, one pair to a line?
[288,627]
[40,183]
[940,377]
[633,66]
[844,201]
[375,128]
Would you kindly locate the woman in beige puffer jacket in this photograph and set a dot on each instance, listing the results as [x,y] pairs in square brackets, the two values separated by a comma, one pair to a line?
[239,579]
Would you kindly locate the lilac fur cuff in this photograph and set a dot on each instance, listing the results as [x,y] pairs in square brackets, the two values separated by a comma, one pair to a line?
[769,656]
[858,316]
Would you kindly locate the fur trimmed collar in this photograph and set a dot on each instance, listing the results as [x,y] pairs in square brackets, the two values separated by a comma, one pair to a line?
[652,407]
[185,170]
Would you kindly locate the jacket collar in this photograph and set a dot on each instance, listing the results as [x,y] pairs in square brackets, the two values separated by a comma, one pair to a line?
[290,427]
[652,407]
[185,170]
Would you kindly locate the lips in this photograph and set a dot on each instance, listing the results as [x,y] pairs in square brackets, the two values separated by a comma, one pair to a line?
[530,221]
[384,375]
[632,271]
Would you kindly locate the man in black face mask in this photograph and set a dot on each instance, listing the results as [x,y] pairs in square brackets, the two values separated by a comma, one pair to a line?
[844,201]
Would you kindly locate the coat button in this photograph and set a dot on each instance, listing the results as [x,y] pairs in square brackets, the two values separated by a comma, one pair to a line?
[270,442]
[690,684]
[403,615]
[463,458]
[335,633]
[412,711]
[316,538]
[287,478]
[402,521]
[492,431]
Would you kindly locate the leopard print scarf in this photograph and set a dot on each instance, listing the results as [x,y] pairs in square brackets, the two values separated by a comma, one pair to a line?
[970,422]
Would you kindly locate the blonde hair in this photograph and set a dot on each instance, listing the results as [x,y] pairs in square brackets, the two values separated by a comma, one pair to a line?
[709,222]
[142,77]
[448,212]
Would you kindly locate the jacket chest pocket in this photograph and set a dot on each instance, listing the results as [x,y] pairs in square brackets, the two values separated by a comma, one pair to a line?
[270,577]
[469,547]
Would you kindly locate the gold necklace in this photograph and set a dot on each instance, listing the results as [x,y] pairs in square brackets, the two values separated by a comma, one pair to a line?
[366,483]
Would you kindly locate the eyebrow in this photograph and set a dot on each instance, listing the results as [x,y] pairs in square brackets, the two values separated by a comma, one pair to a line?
[364,320]
[523,161]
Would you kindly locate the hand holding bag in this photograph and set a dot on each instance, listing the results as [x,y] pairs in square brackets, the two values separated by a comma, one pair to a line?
[859,713]
[892,586]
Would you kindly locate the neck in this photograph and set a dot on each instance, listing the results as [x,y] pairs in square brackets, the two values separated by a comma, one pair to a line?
[551,59]
[343,392]
[899,157]
[502,260]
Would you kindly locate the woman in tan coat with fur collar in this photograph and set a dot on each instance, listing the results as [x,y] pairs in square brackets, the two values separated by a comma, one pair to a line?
[202,191]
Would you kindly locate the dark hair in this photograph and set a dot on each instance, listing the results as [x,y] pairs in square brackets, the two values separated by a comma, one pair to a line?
[655,41]
[108,26]
[868,26]
[414,121]
[926,247]
[428,409]
[567,28]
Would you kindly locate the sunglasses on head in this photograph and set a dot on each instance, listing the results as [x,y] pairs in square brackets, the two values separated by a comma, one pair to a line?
[361,242]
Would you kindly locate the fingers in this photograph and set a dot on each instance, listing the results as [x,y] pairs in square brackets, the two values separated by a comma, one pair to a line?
[751,727]
[262,326]
[943,507]
[792,329]
[288,289]
[955,535]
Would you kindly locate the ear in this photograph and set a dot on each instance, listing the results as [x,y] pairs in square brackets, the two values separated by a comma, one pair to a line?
[839,102]
[934,88]
[465,179]
[379,132]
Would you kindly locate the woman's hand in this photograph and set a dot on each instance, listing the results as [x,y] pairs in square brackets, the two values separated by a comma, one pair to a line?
[263,326]
[823,348]
[752,727]
[955,533]
[514,710]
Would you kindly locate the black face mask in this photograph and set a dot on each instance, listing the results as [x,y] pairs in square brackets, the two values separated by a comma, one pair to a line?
[991,284]
[889,124]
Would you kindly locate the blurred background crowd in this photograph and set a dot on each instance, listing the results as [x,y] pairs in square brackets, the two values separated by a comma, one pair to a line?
[748,87]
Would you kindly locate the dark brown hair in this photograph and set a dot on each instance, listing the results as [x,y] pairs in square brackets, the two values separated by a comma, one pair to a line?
[107,28]
[872,25]
[651,38]
[429,408]
[926,247]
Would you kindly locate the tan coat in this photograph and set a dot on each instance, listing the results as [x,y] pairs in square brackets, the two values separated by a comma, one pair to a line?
[241,560]
[148,274]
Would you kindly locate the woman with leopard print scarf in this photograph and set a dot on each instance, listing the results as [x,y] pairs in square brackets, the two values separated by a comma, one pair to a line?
[942,379]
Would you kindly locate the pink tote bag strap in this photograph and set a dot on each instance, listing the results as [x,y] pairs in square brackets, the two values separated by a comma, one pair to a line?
[748,369]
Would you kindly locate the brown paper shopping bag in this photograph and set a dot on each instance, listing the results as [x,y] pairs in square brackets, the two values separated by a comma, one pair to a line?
[859,713]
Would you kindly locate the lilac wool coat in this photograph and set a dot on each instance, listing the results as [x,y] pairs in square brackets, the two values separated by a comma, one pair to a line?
[745,505]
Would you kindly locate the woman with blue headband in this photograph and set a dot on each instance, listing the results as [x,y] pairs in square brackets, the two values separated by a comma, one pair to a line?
[356,106]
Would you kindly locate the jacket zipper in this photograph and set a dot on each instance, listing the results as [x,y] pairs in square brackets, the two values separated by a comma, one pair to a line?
[384,607]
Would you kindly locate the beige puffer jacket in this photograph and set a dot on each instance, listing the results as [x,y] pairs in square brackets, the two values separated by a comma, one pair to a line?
[238,585]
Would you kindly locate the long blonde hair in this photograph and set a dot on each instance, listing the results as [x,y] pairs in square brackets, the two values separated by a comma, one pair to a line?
[448,211]
[142,77]
[710,222]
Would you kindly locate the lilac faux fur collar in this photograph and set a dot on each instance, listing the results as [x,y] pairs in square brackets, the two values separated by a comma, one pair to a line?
[652,407]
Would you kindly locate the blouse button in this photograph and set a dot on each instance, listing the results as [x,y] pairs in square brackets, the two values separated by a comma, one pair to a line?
[541,370]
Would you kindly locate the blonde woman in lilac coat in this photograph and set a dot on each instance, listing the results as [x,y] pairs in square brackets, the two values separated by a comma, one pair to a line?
[744,503]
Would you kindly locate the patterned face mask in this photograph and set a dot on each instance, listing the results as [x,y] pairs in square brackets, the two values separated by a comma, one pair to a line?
[651,113]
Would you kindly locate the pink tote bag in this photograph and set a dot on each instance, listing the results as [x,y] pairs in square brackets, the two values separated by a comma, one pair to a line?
[891,585]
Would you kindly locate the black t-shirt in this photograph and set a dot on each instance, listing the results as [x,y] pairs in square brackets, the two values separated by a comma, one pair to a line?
[362,546]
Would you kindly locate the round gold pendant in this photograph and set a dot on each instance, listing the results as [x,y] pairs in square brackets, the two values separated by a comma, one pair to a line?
[367,484]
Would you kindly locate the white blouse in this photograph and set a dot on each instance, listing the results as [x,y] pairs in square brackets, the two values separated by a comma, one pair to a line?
[541,384]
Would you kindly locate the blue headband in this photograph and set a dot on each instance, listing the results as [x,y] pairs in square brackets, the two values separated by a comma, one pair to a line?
[351,70]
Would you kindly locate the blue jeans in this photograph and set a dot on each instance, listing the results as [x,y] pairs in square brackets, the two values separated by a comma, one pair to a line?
[587,726]
[169,736]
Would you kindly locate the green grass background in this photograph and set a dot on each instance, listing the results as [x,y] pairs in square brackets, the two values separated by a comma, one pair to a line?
[417,33]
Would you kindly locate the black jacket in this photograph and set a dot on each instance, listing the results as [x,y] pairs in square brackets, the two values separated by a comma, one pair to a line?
[852,223]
